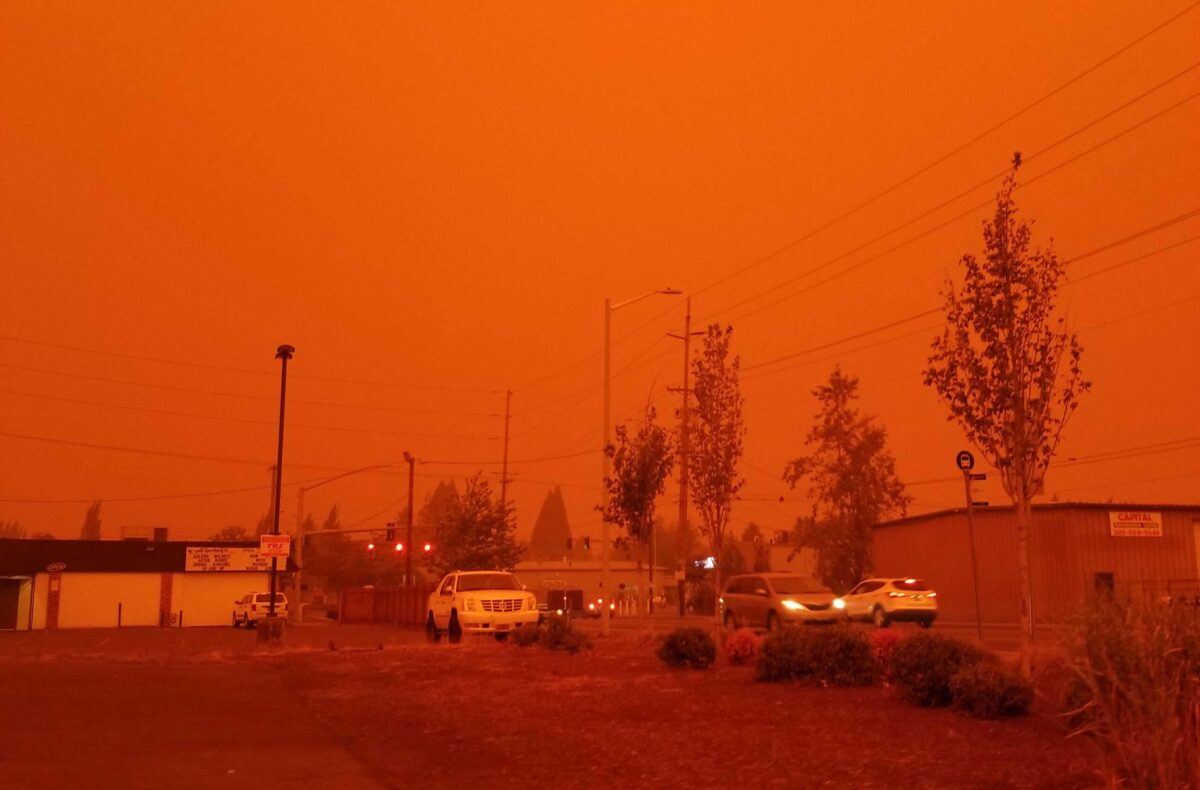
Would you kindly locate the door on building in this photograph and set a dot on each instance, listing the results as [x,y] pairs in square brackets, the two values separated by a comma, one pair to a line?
[10,597]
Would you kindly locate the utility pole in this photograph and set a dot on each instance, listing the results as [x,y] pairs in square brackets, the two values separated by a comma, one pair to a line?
[296,605]
[283,353]
[684,454]
[408,538]
[504,467]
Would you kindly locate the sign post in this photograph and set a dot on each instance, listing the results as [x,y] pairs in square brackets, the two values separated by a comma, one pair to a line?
[966,462]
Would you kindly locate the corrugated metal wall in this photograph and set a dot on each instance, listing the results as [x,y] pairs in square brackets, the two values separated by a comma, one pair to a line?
[1069,545]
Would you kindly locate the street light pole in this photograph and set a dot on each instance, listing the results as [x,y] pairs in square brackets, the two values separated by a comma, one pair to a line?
[605,534]
[283,353]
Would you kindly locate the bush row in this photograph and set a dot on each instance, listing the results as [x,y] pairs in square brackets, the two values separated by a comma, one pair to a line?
[557,633]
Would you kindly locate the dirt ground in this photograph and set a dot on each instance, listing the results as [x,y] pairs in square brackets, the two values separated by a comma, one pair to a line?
[146,712]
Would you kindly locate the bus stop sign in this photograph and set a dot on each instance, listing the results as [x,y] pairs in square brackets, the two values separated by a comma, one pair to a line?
[965,460]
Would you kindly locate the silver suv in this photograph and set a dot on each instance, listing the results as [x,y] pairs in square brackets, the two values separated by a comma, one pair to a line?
[769,600]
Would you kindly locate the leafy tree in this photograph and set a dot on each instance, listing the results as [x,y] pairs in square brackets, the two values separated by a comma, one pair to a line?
[232,533]
[752,533]
[1007,367]
[640,466]
[91,523]
[437,504]
[732,561]
[11,529]
[266,523]
[852,481]
[717,432]
[475,531]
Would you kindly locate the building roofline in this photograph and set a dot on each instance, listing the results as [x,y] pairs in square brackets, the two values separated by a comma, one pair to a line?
[1039,506]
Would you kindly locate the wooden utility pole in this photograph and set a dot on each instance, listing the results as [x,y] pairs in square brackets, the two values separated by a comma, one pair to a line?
[504,466]
[684,457]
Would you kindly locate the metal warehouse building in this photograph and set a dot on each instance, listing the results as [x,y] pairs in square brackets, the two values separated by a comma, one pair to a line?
[111,583]
[1074,550]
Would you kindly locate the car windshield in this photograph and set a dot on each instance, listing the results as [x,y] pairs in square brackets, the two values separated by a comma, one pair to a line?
[910,584]
[266,598]
[487,581]
[796,585]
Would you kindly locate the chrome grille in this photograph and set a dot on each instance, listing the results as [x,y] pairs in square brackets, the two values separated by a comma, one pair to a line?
[816,607]
[502,605]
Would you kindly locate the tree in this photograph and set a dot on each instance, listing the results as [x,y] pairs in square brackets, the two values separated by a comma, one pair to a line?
[852,481]
[266,523]
[752,533]
[232,534]
[11,529]
[551,532]
[475,532]
[640,466]
[1006,366]
[91,523]
[717,434]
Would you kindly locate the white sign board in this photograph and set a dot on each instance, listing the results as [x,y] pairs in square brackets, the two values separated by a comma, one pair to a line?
[1134,524]
[219,558]
[275,546]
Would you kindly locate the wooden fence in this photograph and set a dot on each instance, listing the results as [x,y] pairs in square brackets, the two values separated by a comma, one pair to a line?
[384,605]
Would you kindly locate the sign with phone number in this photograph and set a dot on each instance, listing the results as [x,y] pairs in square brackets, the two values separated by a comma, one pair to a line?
[1134,524]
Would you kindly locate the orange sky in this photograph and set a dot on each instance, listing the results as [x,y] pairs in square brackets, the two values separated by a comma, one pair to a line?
[442,198]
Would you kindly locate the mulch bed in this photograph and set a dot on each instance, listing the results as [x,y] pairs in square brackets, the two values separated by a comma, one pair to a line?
[490,715]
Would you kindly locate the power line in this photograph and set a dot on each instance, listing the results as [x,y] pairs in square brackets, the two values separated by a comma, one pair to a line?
[242,420]
[928,232]
[1187,215]
[252,371]
[222,394]
[963,146]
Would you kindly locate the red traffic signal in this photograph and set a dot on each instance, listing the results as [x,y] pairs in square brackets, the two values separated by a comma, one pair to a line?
[428,548]
[399,547]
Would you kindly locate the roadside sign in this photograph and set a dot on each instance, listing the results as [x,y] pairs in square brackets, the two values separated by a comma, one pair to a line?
[979,476]
[965,460]
[275,546]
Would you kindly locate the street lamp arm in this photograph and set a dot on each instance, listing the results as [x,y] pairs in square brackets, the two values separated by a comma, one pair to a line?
[665,291]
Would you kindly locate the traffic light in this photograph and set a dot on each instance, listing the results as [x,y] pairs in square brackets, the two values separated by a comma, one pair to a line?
[371,550]
[399,547]
[587,543]
[428,548]
[391,532]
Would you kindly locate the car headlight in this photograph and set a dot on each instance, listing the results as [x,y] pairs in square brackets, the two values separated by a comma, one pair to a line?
[793,605]
[838,603]
[468,604]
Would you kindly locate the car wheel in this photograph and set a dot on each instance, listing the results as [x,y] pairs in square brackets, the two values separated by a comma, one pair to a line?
[730,620]
[772,621]
[925,623]
[455,630]
[236,624]
[431,632]
[880,618]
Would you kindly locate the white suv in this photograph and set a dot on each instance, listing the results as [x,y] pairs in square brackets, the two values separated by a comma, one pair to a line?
[479,602]
[883,600]
[253,605]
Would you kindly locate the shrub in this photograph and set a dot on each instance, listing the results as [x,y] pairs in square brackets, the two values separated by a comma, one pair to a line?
[1137,690]
[527,635]
[742,647]
[558,634]
[922,666]
[988,690]
[688,647]
[882,643]
[834,656]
